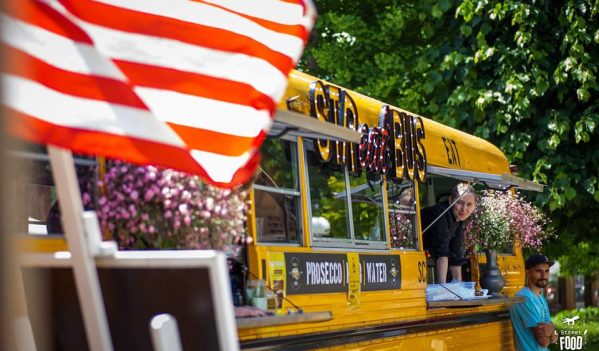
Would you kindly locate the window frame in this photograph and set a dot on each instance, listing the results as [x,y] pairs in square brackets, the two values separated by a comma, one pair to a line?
[297,194]
[416,218]
[350,242]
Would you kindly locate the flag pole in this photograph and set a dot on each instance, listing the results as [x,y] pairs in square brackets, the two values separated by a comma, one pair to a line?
[84,267]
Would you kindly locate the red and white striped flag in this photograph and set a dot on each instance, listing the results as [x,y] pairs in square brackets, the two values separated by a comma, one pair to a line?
[182,84]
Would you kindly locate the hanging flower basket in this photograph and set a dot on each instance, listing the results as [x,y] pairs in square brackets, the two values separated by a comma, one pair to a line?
[146,207]
[501,219]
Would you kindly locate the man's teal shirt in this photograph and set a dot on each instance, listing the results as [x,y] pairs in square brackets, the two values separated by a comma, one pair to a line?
[526,315]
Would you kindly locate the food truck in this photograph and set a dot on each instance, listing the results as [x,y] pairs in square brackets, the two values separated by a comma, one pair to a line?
[336,238]
[336,229]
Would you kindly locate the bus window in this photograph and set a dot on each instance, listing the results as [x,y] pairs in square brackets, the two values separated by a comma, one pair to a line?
[328,202]
[402,215]
[345,210]
[367,208]
[276,193]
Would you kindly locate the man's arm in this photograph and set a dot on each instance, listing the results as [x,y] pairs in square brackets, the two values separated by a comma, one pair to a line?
[545,334]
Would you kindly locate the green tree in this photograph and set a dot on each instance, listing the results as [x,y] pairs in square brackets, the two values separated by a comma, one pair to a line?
[521,74]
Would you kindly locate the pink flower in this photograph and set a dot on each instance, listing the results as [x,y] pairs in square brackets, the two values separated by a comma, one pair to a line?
[149,195]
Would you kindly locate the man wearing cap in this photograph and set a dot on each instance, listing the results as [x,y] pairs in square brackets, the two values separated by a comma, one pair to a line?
[531,321]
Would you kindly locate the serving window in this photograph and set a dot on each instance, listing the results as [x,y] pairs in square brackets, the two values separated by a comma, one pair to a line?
[276,193]
[346,210]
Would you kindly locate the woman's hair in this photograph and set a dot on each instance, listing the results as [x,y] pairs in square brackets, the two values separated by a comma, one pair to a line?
[461,189]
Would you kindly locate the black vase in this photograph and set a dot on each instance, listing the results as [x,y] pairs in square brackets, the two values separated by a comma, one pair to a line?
[492,278]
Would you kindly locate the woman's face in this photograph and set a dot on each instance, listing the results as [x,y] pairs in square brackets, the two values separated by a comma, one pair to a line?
[463,207]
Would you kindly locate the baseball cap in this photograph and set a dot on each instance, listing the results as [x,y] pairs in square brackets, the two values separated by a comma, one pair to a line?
[537,259]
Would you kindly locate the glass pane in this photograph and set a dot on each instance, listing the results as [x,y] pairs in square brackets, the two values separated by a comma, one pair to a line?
[328,199]
[402,215]
[277,216]
[367,208]
[278,168]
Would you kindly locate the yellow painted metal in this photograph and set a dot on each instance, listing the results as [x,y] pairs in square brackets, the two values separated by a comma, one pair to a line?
[416,192]
[41,243]
[487,336]
[304,194]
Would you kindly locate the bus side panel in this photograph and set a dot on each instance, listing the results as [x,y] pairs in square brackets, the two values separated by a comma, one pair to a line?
[488,336]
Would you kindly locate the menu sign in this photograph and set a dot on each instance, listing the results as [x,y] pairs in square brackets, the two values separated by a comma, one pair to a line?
[380,272]
[315,273]
[311,273]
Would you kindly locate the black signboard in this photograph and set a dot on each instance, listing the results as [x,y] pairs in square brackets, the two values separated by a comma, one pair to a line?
[315,273]
[380,272]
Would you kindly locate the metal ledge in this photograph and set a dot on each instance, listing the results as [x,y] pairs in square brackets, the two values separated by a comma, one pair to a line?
[472,303]
[504,180]
[270,321]
[297,124]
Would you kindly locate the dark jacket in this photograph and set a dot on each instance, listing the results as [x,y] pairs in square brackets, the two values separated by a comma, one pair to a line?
[444,238]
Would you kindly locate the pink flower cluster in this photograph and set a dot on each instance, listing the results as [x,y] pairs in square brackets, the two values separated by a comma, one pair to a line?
[146,207]
[501,219]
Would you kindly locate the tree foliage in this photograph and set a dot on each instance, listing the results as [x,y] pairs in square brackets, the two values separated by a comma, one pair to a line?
[521,74]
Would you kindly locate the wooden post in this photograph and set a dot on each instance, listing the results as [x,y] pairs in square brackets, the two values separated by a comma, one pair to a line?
[567,294]
[84,266]
[591,290]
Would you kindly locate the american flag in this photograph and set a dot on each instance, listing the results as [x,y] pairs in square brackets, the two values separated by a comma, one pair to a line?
[189,85]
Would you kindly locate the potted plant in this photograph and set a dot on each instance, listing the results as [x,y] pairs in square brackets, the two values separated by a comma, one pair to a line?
[502,219]
[146,207]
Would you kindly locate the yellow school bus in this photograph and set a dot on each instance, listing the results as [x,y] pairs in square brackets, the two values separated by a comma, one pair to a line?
[333,234]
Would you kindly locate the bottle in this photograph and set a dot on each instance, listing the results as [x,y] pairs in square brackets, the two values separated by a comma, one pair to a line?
[237,298]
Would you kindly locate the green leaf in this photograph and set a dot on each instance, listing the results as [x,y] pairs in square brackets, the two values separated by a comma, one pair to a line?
[466,30]
[577,50]
[570,193]
[554,141]
[444,5]
[437,12]
[590,123]
[589,185]
[466,10]
[583,94]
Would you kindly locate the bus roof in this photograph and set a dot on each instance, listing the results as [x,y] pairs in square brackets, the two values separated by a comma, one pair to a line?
[446,147]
